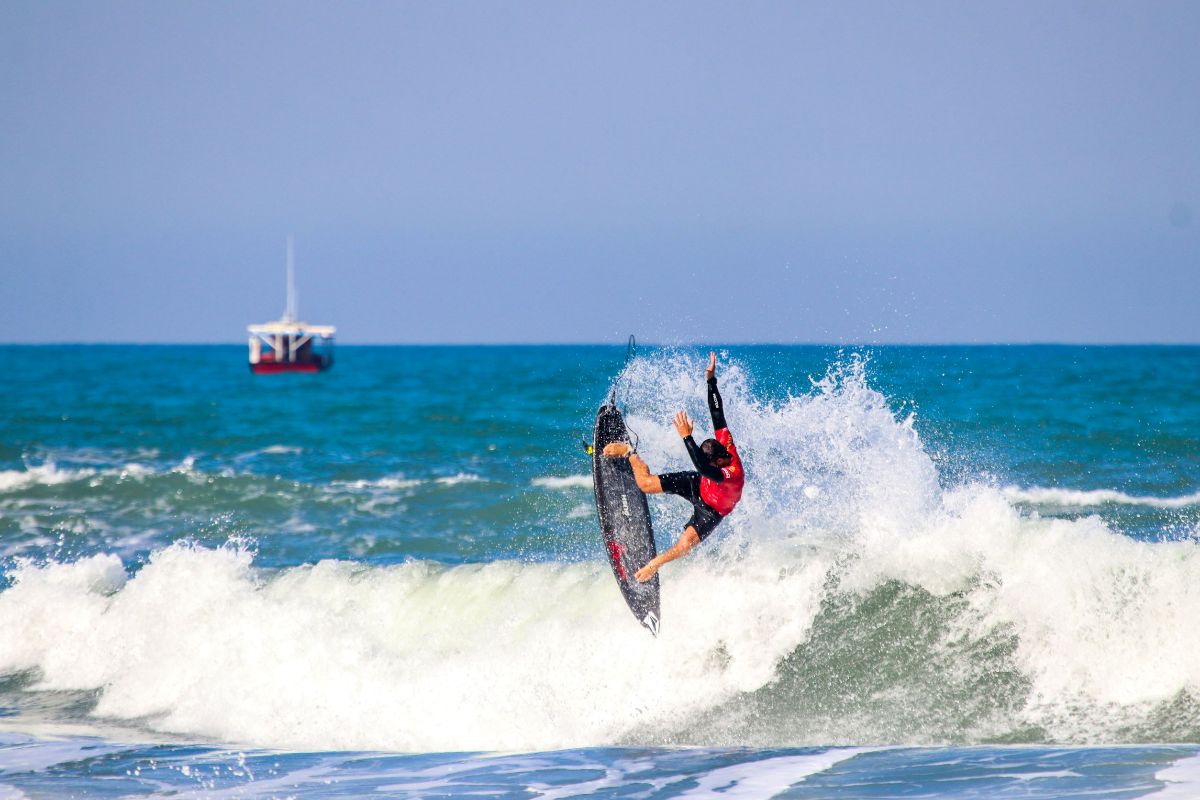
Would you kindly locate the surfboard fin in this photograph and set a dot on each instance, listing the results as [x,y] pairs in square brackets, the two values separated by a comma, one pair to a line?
[587,446]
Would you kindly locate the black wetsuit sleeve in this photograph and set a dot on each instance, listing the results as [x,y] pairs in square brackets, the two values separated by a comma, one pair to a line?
[702,464]
[715,406]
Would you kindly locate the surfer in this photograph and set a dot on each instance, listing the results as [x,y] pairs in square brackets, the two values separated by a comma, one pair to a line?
[713,489]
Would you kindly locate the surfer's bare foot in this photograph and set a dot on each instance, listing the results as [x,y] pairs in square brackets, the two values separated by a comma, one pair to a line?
[616,449]
[645,573]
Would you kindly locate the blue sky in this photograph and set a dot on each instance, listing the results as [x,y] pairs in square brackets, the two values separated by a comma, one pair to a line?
[565,172]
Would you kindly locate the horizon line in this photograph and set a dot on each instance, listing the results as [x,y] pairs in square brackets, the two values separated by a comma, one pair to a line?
[765,343]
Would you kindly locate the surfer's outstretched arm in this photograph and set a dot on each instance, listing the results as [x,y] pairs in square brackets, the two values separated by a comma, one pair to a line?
[715,407]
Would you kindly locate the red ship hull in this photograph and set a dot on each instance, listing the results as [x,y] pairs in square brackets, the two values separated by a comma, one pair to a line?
[273,367]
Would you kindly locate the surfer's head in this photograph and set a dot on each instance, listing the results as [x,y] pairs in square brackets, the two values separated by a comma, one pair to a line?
[716,453]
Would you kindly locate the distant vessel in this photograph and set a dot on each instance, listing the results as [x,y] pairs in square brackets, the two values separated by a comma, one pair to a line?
[288,345]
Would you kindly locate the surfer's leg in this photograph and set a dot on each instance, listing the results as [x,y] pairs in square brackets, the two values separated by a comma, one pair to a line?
[703,522]
[682,484]
[648,483]
[686,542]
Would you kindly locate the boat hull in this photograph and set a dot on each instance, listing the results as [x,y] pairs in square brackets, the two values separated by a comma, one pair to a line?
[275,367]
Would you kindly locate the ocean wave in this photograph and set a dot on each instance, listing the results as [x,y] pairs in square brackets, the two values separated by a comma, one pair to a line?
[1074,498]
[851,599]
[389,483]
[968,631]
[51,475]
[414,657]
[269,450]
[879,607]
[565,482]
[43,475]
[455,480]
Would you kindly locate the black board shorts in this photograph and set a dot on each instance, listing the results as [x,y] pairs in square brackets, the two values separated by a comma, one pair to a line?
[687,485]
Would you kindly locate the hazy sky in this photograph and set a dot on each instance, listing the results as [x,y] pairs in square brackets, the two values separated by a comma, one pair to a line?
[569,171]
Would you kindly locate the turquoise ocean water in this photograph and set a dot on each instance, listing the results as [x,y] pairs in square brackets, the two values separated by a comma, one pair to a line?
[955,572]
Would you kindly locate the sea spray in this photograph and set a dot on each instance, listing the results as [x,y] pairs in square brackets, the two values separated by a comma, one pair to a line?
[820,465]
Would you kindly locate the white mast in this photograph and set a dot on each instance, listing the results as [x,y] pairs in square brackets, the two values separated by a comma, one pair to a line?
[289,315]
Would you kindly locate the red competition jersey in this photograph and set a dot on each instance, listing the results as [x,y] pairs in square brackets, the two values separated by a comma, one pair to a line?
[723,496]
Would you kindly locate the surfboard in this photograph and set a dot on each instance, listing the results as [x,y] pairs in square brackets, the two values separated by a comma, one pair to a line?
[624,518]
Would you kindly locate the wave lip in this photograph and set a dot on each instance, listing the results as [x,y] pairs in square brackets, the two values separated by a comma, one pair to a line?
[1087,498]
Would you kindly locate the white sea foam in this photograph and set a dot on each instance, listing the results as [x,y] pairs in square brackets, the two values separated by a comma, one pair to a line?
[131,471]
[455,480]
[23,753]
[186,466]
[277,450]
[1070,498]
[564,482]
[767,777]
[42,475]
[609,778]
[390,483]
[49,474]
[412,657]
[1182,780]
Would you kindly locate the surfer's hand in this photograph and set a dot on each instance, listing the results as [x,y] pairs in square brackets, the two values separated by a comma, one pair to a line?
[683,424]
[617,449]
[712,366]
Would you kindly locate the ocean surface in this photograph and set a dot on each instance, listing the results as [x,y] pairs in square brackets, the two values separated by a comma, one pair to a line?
[968,572]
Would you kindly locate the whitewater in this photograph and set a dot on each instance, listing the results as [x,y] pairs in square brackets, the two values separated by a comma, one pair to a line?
[881,589]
